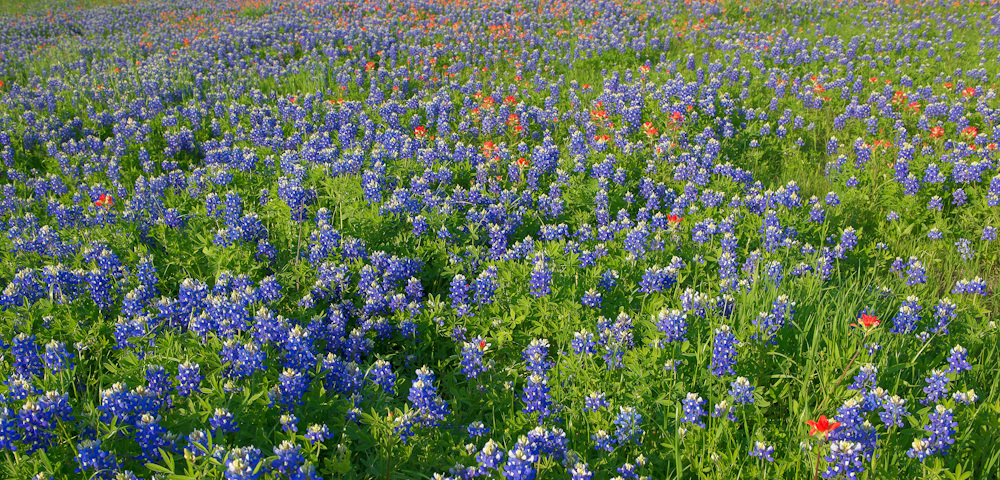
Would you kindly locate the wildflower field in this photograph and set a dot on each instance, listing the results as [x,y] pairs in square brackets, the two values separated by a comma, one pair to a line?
[457,239]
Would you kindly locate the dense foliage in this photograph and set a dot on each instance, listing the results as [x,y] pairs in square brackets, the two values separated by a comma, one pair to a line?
[499,239]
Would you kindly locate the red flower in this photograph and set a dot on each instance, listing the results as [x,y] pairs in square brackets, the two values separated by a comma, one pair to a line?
[420,132]
[522,162]
[674,219]
[937,132]
[868,322]
[823,427]
[650,129]
[104,201]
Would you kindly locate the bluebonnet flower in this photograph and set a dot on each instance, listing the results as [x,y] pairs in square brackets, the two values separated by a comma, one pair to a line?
[958,360]
[657,279]
[26,361]
[693,406]
[188,379]
[616,337]
[20,388]
[242,463]
[964,247]
[520,461]
[56,357]
[299,352]
[289,422]
[673,324]
[580,471]
[583,343]
[627,471]
[723,352]
[592,299]
[423,395]
[534,356]
[920,449]
[222,422]
[944,313]
[8,429]
[595,401]
[915,272]
[198,445]
[975,286]
[541,277]
[381,375]
[937,387]
[865,379]
[151,437]
[403,425]
[935,203]
[959,197]
[942,427]
[459,296]
[477,429]
[724,408]
[90,456]
[741,391]
[243,360]
[603,441]
[854,426]
[845,460]
[486,285]
[609,279]
[472,357]
[290,390]
[38,418]
[289,458]
[627,426]
[536,396]
[893,411]
[551,441]
[967,398]
[909,314]
[762,451]
[490,456]
[694,302]
[317,433]
[989,234]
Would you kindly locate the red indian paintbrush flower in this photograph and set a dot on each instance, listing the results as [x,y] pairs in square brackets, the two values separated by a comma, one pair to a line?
[868,322]
[104,201]
[822,427]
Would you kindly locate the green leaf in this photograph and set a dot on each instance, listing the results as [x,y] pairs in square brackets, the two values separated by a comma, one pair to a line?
[159,468]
